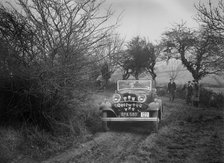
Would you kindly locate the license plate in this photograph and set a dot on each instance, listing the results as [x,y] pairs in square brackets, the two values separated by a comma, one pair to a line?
[129,114]
[144,114]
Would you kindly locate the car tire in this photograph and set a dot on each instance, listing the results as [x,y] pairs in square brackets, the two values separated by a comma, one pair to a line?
[160,114]
[104,123]
[155,124]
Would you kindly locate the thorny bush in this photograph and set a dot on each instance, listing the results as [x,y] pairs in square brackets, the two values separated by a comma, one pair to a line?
[46,61]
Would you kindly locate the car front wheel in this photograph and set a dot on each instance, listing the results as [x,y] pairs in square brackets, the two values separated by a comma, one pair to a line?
[155,123]
[105,123]
[156,126]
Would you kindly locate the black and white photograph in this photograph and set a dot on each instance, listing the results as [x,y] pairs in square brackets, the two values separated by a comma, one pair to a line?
[111,81]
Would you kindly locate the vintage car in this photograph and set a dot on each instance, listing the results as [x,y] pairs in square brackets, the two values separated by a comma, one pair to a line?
[134,100]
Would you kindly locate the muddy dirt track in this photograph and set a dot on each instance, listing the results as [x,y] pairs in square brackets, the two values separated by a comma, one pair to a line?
[186,134]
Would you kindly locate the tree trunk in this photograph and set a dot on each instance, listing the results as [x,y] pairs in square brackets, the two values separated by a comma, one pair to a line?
[153,82]
[106,82]
[136,76]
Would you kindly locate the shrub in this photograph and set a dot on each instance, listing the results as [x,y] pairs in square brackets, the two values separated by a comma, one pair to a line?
[180,93]
[46,72]
[161,91]
[111,86]
[219,100]
[24,102]
[205,96]
[44,69]
[209,98]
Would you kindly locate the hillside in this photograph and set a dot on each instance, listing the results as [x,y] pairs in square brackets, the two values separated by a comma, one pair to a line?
[163,69]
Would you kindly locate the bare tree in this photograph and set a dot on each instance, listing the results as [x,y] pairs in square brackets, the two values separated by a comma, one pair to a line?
[113,51]
[198,50]
[174,68]
[139,57]
[50,47]
[153,52]
[213,18]
[108,55]
[64,34]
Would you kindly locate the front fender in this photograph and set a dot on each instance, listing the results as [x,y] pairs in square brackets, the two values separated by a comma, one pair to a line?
[107,107]
[154,106]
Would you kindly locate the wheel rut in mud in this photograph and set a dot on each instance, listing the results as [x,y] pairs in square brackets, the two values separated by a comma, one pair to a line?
[186,134]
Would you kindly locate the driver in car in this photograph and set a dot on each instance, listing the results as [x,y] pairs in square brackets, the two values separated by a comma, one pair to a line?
[131,85]
[137,84]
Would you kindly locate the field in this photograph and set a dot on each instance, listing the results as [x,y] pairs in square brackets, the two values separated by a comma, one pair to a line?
[162,71]
[216,90]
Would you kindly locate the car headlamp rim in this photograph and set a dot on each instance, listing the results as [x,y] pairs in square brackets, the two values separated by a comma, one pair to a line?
[116,98]
[142,98]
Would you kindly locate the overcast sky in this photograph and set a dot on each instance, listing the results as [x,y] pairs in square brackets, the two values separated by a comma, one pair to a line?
[150,18]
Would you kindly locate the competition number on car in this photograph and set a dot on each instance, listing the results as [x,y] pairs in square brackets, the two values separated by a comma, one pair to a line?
[144,114]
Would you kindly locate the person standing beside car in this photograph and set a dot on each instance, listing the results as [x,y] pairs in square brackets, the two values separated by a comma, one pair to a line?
[196,93]
[188,87]
[171,89]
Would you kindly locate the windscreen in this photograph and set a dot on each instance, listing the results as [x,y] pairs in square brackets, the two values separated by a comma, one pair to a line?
[134,84]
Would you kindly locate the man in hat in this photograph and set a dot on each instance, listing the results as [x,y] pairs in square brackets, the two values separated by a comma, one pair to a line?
[196,93]
[171,89]
[188,87]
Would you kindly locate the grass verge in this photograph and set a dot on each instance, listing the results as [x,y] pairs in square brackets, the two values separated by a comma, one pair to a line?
[187,134]
[28,141]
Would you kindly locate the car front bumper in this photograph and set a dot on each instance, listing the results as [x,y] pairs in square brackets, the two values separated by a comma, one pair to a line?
[130,119]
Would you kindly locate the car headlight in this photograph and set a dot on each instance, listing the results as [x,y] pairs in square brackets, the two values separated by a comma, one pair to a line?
[116,98]
[141,98]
